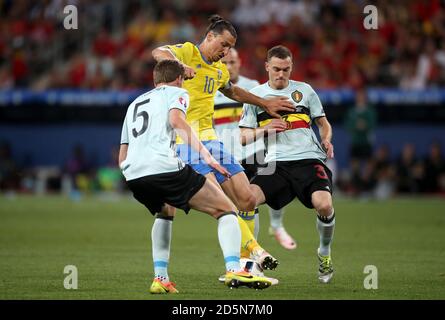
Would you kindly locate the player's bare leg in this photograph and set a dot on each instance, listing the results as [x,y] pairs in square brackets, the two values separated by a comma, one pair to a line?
[237,189]
[258,193]
[322,202]
[245,236]
[211,199]
[248,241]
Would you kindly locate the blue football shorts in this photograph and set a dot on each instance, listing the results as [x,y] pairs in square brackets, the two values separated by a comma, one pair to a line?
[216,148]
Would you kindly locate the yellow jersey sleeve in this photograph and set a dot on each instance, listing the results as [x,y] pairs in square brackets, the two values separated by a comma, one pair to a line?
[183,51]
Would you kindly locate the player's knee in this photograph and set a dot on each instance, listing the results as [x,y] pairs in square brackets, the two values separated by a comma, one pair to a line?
[227,207]
[248,203]
[218,212]
[222,208]
[324,208]
[167,212]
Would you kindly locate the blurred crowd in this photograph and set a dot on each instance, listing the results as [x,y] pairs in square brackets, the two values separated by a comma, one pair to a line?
[372,172]
[377,176]
[79,175]
[382,177]
[111,49]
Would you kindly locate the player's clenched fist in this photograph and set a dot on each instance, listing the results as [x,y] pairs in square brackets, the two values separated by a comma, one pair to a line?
[189,72]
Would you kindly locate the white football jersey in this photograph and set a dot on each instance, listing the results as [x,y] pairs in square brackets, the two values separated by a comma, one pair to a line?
[149,135]
[226,118]
[299,141]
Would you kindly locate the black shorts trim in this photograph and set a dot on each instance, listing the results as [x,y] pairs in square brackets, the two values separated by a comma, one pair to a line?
[173,188]
[294,179]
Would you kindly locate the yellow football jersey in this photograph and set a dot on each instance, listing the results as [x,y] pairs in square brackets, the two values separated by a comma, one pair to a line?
[202,88]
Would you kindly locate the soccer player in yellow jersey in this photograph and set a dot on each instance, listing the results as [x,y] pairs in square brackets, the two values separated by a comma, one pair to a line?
[206,74]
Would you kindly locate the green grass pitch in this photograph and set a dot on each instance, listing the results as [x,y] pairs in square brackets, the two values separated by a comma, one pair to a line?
[109,243]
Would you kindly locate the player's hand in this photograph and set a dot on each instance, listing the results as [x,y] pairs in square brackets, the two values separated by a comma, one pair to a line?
[275,126]
[189,72]
[218,167]
[274,105]
[328,148]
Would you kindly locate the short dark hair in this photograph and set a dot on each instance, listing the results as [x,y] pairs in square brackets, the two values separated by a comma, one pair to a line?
[218,25]
[281,52]
[167,71]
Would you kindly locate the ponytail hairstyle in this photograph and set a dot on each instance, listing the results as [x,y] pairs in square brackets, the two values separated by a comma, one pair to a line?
[218,25]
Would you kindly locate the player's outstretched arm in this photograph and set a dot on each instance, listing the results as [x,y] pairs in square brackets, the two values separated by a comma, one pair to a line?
[178,122]
[325,129]
[249,135]
[164,53]
[271,106]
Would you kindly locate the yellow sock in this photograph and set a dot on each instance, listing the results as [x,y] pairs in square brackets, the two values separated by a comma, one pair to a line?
[249,219]
[247,225]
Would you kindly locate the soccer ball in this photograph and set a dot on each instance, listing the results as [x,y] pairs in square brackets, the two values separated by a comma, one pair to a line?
[251,266]
[255,269]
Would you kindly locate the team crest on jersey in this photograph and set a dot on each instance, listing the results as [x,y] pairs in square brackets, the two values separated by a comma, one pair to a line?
[219,74]
[198,66]
[297,96]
